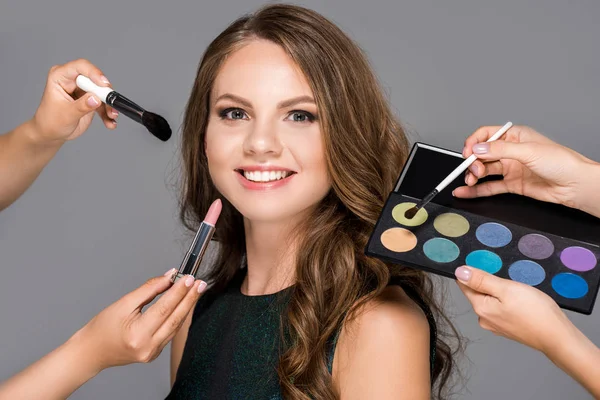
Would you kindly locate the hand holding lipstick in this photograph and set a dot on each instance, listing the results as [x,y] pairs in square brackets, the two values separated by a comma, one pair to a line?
[120,334]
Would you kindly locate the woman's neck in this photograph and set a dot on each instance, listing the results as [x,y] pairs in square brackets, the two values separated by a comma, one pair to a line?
[270,257]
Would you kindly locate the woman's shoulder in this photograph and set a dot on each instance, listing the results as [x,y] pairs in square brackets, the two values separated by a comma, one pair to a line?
[392,315]
[388,337]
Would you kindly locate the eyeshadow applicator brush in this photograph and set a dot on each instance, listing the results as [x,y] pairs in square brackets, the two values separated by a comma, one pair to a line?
[155,124]
[410,213]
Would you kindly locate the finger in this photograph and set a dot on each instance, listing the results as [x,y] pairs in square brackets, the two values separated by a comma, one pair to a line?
[481,281]
[480,135]
[111,112]
[481,170]
[144,294]
[470,179]
[171,326]
[160,311]
[484,324]
[483,304]
[106,112]
[469,293]
[526,153]
[485,189]
[66,74]
[83,106]
[108,121]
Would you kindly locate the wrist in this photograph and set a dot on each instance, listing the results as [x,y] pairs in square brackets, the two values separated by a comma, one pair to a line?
[83,347]
[587,195]
[34,134]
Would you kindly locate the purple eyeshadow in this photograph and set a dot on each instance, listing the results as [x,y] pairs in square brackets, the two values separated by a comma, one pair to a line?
[536,246]
[578,258]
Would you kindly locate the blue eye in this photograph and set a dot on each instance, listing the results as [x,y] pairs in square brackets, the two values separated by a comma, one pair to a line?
[232,113]
[301,116]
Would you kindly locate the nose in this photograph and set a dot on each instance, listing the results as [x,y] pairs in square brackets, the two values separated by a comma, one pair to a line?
[263,139]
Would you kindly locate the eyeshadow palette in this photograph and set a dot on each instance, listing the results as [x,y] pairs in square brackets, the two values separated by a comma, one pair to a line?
[502,235]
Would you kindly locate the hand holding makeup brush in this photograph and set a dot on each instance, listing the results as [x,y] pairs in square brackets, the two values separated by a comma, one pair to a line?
[529,316]
[120,334]
[66,111]
[533,166]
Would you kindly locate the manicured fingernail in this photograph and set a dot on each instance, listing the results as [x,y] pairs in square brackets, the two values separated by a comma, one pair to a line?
[115,113]
[170,272]
[463,274]
[474,169]
[201,287]
[104,79]
[189,281]
[454,193]
[92,102]
[481,148]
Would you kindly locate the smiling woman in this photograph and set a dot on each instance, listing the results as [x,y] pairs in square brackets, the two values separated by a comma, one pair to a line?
[263,123]
[287,122]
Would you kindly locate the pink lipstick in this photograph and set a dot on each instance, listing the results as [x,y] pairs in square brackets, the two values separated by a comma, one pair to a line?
[193,257]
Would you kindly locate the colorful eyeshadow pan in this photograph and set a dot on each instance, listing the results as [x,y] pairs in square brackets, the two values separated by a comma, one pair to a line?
[536,246]
[578,258]
[493,234]
[451,224]
[570,285]
[441,250]
[400,209]
[398,240]
[440,239]
[484,260]
[527,271]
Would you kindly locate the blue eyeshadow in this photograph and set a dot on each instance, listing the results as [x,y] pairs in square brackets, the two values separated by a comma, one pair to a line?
[493,234]
[484,260]
[527,271]
[441,250]
[570,285]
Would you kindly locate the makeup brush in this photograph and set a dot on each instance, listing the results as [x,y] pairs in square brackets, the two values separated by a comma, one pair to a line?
[410,213]
[155,124]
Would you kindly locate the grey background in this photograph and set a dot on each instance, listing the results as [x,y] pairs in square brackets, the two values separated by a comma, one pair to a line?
[101,218]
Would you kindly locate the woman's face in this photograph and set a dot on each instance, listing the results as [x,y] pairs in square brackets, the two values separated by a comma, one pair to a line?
[263,140]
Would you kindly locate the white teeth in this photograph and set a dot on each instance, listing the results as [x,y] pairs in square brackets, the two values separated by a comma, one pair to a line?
[265,176]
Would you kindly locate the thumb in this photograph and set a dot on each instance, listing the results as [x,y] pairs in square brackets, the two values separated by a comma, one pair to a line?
[480,281]
[85,105]
[525,153]
[144,294]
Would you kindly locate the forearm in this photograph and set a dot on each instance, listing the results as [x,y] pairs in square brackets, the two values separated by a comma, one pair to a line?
[22,158]
[575,354]
[56,376]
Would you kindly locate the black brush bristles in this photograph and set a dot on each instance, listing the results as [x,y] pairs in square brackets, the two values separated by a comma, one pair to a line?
[410,213]
[157,125]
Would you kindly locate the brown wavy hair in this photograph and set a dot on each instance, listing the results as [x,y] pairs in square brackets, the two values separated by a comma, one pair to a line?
[365,150]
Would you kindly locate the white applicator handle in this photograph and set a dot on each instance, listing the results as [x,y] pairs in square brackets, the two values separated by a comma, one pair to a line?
[470,160]
[86,84]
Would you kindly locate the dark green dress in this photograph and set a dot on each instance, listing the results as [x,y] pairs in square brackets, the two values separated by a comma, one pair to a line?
[233,346]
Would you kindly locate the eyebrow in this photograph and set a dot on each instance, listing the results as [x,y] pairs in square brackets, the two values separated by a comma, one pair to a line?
[283,104]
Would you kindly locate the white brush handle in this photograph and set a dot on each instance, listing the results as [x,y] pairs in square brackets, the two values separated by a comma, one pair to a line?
[470,160]
[86,84]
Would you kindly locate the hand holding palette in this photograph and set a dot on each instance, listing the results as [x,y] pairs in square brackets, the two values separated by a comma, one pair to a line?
[444,236]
